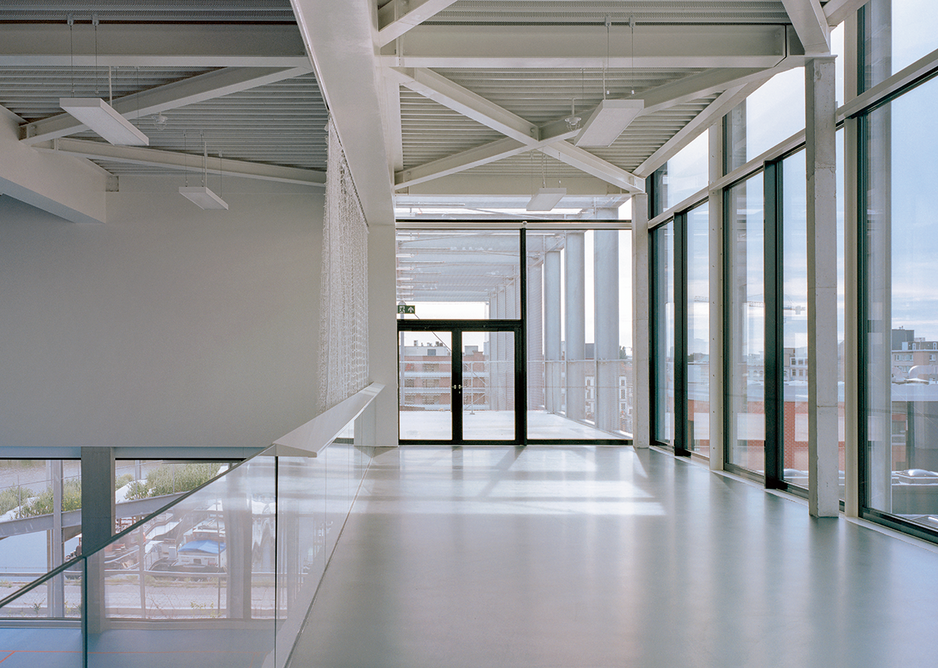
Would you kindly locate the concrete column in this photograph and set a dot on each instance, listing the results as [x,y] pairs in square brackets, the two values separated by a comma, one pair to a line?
[535,336]
[717,361]
[382,330]
[820,108]
[606,327]
[56,594]
[641,408]
[97,526]
[575,324]
[97,497]
[552,314]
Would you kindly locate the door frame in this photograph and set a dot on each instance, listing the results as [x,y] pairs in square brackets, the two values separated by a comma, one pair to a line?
[456,328]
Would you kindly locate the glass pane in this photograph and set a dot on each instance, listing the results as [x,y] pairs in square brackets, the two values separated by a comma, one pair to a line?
[841,299]
[464,275]
[898,32]
[746,325]
[57,641]
[579,328]
[210,557]
[687,172]
[698,330]
[902,372]
[31,546]
[488,386]
[795,320]
[663,333]
[426,378]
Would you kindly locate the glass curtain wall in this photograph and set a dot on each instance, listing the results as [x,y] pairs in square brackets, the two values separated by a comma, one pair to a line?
[794,320]
[579,334]
[745,325]
[698,329]
[662,333]
[901,373]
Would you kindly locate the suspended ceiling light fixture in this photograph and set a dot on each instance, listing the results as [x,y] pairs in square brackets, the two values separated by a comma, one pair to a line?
[202,196]
[611,117]
[545,199]
[98,115]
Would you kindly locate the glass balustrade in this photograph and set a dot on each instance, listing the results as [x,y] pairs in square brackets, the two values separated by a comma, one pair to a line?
[223,576]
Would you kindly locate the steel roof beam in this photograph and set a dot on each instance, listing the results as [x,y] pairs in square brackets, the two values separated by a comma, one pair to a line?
[134,155]
[155,45]
[340,43]
[585,46]
[810,23]
[399,16]
[453,96]
[169,96]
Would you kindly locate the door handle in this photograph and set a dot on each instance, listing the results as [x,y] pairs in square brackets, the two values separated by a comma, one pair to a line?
[457,387]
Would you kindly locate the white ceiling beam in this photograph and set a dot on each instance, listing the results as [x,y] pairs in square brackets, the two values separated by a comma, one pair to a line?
[585,46]
[837,11]
[399,16]
[460,162]
[484,185]
[810,23]
[183,162]
[170,96]
[453,96]
[457,98]
[144,45]
[340,43]
[391,113]
[595,166]
[70,188]
[700,124]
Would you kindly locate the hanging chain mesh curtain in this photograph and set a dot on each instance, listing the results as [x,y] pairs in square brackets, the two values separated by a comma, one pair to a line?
[344,304]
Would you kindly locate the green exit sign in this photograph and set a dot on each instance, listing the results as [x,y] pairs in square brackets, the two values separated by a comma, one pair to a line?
[406,309]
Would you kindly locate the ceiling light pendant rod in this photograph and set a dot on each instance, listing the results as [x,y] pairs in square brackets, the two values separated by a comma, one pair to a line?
[71,48]
[94,22]
[632,58]
[608,23]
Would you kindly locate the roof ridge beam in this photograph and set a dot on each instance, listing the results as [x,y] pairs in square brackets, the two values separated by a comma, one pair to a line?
[399,16]
[169,96]
[584,46]
[139,45]
[135,155]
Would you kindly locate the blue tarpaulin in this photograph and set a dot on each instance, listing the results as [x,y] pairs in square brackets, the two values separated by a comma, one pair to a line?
[207,546]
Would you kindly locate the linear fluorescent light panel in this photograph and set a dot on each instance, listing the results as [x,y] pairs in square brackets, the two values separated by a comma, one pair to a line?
[546,199]
[203,197]
[104,119]
[609,120]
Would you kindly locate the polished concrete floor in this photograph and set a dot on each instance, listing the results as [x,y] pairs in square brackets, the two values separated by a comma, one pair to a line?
[604,556]
[497,425]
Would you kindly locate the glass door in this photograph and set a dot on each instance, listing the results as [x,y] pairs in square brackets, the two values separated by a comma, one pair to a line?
[488,386]
[457,383]
[425,382]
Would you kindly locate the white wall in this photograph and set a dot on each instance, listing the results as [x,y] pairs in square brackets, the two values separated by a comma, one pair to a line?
[168,325]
